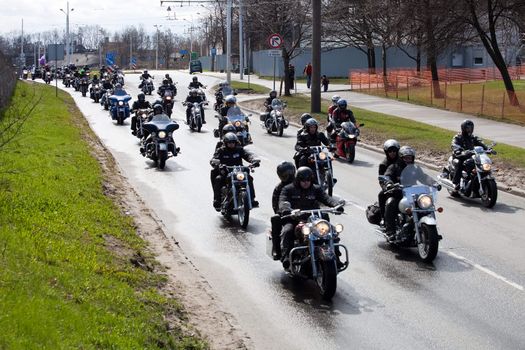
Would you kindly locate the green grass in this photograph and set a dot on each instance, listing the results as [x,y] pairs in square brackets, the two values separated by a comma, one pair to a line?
[60,286]
[421,136]
[249,88]
[333,80]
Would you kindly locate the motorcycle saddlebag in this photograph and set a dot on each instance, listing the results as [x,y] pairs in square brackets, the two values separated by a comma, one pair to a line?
[373,214]
[262,116]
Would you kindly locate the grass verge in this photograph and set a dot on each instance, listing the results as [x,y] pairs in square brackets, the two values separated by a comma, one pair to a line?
[433,141]
[246,88]
[334,80]
[61,286]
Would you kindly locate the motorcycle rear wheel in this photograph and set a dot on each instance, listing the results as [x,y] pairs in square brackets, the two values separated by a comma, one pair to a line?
[327,278]
[243,208]
[429,245]
[490,196]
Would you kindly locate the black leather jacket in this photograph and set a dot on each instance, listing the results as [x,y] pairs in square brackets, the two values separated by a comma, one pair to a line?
[140,105]
[462,142]
[305,139]
[231,157]
[300,198]
[385,164]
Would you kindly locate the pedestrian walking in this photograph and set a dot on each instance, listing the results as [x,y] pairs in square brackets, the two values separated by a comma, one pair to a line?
[308,72]
[324,82]
[291,75]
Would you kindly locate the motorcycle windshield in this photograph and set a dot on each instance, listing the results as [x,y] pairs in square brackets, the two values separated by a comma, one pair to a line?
[349,127]
[123,98]
[416,181]
[234,114]
[277,104]
[226,90]
[168,93]
[161,122]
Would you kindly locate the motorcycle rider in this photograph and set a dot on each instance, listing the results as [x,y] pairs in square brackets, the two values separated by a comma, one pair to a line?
[229,101]
[309,137]
[332,108]
[340,115]
[158,115]
[301,194]
[407,155]
[166,86]
[195,84]
[286,173]
[167,76]
[141,103]
[268,101]
[144,76]
[462,143]
[119,91]
[391,149]
[106,86]
[229,154]
[192,98]
[304,118]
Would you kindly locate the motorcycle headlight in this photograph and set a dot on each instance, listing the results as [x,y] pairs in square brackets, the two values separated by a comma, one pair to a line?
[351,136]
[486,167]
[323,228]
[306,230]
[424,201]
[237,124]
[162,134]
[240,176]
[168,98]
[322,155]
[120,103]
[339,228]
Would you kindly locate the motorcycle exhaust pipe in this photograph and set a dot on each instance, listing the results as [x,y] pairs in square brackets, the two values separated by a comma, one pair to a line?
[446,183]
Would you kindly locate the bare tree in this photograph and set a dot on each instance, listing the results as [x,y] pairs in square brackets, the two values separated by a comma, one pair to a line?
[490,18]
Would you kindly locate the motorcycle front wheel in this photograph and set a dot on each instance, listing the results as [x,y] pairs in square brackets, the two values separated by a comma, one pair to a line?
[243,208]
[429,245]
[327,278]
[350,153]
[199,125]
[329,183]
[490,195]
[161,163]
[280,129]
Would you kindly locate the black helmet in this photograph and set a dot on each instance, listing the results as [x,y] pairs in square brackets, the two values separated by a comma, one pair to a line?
[228,128]
[305,117]
[145,71]
[311,122]
[141,97]
[407,151]
[467,127]
[230,137]
[167,75]
[273,94]
[286,171]
[158,109]
[304,173]
[341,103]
[194,78]
[390,144]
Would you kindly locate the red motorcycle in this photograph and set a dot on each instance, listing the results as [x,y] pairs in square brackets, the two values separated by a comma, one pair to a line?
[346,139]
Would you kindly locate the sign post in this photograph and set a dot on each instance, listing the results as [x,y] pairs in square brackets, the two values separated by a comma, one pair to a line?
[275,41]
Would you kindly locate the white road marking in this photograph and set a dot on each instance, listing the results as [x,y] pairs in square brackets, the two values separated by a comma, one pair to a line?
[484,269]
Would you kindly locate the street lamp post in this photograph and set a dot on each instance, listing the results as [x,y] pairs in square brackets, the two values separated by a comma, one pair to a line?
[157,50]
[67,32]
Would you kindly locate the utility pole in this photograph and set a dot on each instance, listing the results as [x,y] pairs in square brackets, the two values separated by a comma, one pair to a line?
[157,49]
[22,56]
[316,58]
[229,40]
[68,50]
[241,33]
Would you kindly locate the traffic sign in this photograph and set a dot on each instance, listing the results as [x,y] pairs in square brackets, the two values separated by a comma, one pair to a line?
[275,53]
[275,41]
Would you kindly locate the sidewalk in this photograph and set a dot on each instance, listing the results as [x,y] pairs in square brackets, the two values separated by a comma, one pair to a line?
[485,128]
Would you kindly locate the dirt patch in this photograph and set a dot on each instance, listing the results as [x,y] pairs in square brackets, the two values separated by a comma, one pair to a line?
[184,282]
[506,174]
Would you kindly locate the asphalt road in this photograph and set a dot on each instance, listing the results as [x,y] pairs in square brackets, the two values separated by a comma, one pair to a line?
[472,296]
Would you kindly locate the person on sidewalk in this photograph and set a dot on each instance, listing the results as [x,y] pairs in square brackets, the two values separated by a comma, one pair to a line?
[291,75]
[324,82]
[308,72]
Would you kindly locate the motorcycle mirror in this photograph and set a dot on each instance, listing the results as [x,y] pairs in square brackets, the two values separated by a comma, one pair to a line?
[362,124]
[383,178]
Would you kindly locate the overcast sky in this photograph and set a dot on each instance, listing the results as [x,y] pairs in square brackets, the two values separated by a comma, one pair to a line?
[112,15]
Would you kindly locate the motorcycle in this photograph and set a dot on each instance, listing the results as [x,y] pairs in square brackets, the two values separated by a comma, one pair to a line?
[48,77]
[320,161]
[76,83]
[104,101]
[240,121]
[147,86]
[346,139]
[67,80]
[119,110]
[142,118]
[84,85]
[416,224]
[236,197]
[95,93]
[274,121]
[477,180]
[159,146]
[314,253]
[167,102]
[195,115]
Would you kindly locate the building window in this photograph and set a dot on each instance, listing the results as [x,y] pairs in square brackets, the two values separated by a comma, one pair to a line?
[478,61]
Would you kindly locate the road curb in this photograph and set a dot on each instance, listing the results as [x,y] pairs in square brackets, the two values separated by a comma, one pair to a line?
[514,191]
